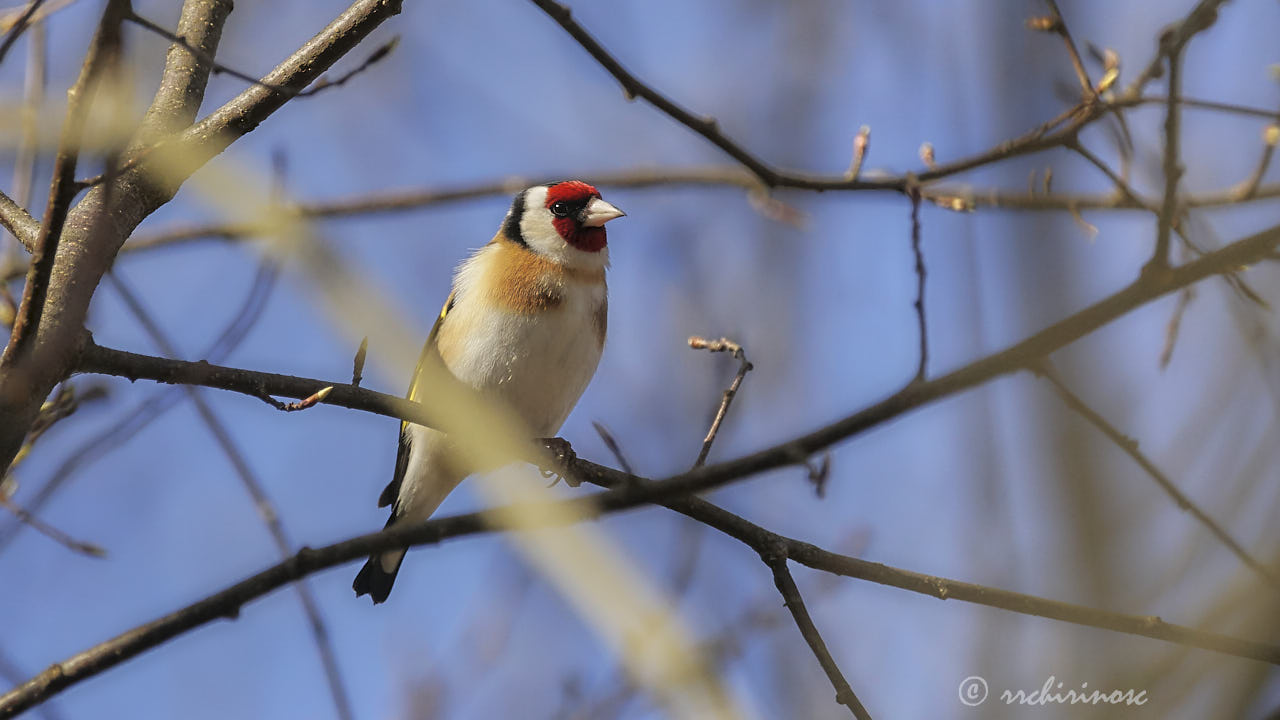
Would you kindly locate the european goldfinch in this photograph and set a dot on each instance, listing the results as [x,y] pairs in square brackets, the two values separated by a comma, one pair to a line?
[525,325]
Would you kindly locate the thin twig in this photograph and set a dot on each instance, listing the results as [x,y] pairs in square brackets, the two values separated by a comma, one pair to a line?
[1175,324]
[1060,27]
[320,85]
[19,26]
[257,493]
[1130,448]
[614,448]
[1270,137]
[1172,163]
[922,327]
[27,518]
[744,367]
[795,603]
[1044,136]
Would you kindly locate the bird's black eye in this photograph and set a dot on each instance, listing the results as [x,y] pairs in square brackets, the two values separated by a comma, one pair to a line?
[560,209]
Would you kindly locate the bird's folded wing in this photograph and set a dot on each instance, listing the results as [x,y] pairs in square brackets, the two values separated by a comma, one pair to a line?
[429,354]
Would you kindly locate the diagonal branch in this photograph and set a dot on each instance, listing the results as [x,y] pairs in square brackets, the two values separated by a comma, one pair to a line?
[257,493]
[24,21]
[1130,448]
[795,603]
[633,491]
[19,223]
[1059,26]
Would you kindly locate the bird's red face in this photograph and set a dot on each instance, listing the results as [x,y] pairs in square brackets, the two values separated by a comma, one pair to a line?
[579,213]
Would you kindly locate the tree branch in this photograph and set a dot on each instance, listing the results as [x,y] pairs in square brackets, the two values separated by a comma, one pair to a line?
[922,328]
[744,367]
[950,197]
[1016,357]
[257,493]
[795,603]
[1130,447]
[19,223]
[104,53]
[632,492]
[24,21]
[1040,138]
[130,423]
[186,71]
[143,188]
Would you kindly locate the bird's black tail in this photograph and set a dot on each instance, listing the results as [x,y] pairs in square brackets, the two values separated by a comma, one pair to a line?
[374,581]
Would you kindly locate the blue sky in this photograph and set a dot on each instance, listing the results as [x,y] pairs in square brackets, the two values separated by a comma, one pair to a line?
[999,485]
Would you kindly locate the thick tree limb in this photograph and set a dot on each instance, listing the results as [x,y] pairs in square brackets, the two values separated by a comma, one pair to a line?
[140,190]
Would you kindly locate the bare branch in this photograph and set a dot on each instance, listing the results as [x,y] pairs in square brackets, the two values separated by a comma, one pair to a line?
[186,72]
[20,25]
[1024,354]
[1270,137]
[1172,158]
[257,493]
[35,76]
[51,532]
[795,603]
[744,367]
[1201,17]
[615,449]
[104,53]
[955,198]
[140,191]
[1045,136]
[134,421]
[207,59]
[632,491]
[1130,448]
[1059,26]
[922,327]
[19,223]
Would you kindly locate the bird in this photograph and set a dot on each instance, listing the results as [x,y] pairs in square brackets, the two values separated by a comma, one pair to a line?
[524,325]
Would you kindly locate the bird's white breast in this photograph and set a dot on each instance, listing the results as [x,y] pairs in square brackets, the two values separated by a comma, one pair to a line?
[537,362]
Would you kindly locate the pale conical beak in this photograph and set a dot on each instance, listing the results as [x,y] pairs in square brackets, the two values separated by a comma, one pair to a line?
[599,212]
